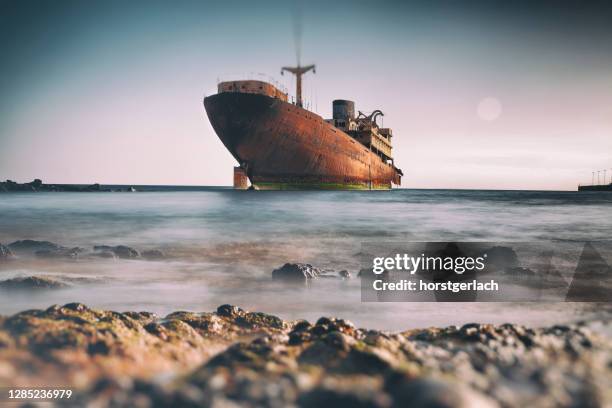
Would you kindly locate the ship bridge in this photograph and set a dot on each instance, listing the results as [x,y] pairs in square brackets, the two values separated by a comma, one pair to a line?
[363,128]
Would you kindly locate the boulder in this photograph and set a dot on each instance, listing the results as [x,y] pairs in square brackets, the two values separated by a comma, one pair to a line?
[229,311]
[70,253]
[501,258]
[296,272]
[5,253]
[32,283]
[31,246]
[44,249]
[302,272]
[121,251]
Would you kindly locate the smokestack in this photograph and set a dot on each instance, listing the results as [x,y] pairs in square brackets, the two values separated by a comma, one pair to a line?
[343,109]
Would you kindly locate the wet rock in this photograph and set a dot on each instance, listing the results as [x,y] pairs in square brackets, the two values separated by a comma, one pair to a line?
[142,318]
[326,353]
[327,325]
[121,251]
[250,320]
[153,254]
[157,329]
[299,337]
[302,325]
[255,356]
[29,246]
[472,331]
[300,333]
[339,340]
[69,253]
[296,272]
[431,393]
[254,320]
[44,249]
[5,253]
[229,311]
[77,307]
[6,340]
[204,323]
[334,393]
[368,360]
[235,357]
[32,283]
[501,258]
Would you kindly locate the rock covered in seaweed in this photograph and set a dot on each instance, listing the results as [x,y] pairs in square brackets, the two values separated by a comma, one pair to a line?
[234,357]
[96,344]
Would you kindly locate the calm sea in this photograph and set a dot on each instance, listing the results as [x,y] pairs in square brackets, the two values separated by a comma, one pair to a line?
[222,245]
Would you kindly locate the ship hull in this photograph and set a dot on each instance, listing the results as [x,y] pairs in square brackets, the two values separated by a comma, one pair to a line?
[282,146]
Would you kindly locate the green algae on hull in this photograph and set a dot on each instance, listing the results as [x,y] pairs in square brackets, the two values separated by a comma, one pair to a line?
[318,186]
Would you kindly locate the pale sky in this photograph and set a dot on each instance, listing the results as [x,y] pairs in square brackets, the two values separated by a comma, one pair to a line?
[479,95]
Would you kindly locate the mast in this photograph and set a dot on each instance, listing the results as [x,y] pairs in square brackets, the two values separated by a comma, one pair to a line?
[298,72]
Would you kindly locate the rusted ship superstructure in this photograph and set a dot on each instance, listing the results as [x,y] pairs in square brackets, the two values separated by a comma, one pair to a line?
[280,145]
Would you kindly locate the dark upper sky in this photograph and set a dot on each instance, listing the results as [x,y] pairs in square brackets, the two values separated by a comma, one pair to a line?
[480,94]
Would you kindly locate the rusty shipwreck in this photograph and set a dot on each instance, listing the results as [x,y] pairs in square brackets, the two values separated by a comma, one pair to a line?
[280,145]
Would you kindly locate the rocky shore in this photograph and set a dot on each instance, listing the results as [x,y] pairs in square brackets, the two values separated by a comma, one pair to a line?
[10,186]
[233,357]
[50,250]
